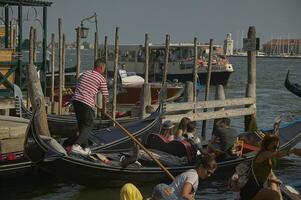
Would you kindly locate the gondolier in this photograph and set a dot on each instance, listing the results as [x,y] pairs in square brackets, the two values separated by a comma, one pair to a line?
[89,84]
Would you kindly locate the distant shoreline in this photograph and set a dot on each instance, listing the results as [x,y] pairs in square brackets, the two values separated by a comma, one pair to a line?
[285,57]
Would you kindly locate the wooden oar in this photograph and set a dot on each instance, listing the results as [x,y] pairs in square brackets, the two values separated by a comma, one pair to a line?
[140,145]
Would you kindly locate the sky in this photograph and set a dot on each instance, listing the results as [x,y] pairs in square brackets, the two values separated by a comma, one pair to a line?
[181,19]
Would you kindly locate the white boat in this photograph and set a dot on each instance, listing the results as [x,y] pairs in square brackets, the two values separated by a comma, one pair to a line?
[180,64]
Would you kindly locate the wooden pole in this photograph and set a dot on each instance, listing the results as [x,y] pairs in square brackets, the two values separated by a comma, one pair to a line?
[207,87]
[165,69]
[106,55]
[36,93]
[31,61]
[142,147]
[96,46]
[14,36]
[52,71]
[219,95]
[34,45]
[145,97]
[77,52]
[146,56]
[99,102]
[115,72]
[63,61]
[31,45]
[250,120]
[60,67]
[188,92]
[195,71]
[11,35]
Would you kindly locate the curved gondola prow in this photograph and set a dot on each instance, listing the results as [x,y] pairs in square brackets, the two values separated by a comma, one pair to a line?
[287,83]
[292,87]
[31,136]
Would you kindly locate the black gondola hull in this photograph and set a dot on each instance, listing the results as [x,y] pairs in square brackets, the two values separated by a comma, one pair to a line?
[94,174]
[292,87]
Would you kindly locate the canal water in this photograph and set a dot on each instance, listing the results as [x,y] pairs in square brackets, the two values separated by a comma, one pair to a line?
[273,100]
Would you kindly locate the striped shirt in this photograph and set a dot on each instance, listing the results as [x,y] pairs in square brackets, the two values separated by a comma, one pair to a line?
[90,82]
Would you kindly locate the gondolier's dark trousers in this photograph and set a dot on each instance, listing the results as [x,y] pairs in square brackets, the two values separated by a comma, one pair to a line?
[85,118]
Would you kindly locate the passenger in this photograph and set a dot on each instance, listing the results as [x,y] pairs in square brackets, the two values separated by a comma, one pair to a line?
[191,132]
[223,137]
[167,130]
[186,184]
[89,84]
[182,128]
[122,71]
[130,192]
[262,167]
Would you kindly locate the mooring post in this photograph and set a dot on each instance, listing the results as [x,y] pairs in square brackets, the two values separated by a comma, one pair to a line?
[36,93]
[207,87]
[63,61]
[96,46]
[34,45]
[31,60]
[14,36]
[105,55]
[188,92]
[52,72]
[165,68]
[219,95]
[145,96]
[77,52]
[60,66]
[250,120]
[195,74]
[99,103]
[115,72]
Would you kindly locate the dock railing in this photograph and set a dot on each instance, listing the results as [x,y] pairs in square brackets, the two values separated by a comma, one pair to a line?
[232,111]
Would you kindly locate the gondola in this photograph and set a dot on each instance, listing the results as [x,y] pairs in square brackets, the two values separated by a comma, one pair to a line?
[111,138]
[89,171]
[295,88]
[107,139]
[66,126]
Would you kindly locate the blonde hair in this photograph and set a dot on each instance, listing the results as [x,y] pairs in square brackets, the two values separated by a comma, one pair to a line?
[130,192]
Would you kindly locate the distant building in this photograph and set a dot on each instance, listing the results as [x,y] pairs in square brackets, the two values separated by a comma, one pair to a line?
[228,45]
[290,47]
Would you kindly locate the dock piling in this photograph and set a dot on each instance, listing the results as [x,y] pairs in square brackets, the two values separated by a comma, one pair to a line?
[116,62]
[145,97]
[250,120]
[35,92]
[77,52]
[52,72]
[207,86]
[188,92]
[60,95]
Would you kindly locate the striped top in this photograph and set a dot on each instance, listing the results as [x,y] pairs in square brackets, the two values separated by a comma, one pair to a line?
[90,82]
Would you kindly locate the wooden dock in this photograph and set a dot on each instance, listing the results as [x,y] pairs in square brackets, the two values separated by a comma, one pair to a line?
[12,133]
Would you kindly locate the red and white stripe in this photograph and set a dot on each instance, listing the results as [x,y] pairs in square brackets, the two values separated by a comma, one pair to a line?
[90,82]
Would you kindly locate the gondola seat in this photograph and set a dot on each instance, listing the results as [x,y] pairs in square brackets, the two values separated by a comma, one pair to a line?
[178,148]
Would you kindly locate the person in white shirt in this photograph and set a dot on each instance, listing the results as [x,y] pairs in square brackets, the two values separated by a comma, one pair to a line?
[186,184]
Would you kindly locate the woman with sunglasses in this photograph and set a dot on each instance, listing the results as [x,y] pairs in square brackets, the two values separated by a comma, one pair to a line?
[262,171]
[185,185]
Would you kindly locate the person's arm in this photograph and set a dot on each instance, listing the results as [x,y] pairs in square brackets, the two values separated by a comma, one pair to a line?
[277,154]
[179,133]
[186,191]
[297,151]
